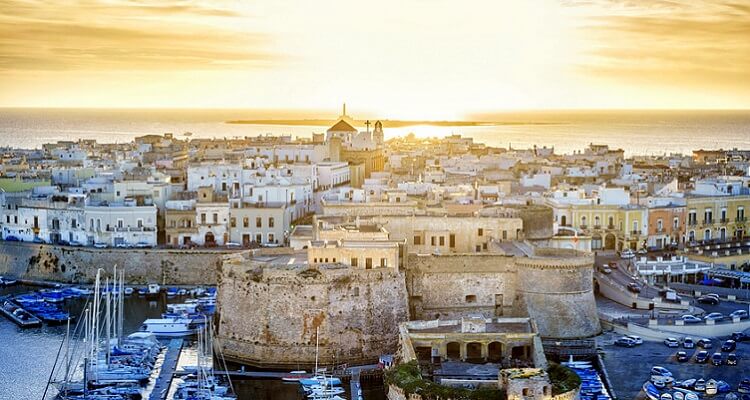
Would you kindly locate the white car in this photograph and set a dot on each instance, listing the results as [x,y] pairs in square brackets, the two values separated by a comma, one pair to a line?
[627,253]
[635,339]
[672,342]
[741,314]
[100,245]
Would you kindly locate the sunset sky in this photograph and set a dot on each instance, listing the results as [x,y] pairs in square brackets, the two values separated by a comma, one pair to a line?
[402,59]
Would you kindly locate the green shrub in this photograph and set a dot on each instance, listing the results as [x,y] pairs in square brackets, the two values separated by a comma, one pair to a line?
[408,377]
[563,379]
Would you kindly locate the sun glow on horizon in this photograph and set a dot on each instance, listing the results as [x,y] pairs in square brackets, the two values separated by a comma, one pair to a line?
[415,60]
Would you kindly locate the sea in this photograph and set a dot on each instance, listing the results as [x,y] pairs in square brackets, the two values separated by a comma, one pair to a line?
[636,132]
[27,356]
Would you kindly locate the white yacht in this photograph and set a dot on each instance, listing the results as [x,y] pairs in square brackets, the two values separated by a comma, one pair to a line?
[168,327]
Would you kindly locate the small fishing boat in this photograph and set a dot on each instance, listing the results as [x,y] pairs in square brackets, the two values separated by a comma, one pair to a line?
[53,296]
[154,291]
[711,387]
[172,292]
[18,315]
[295,376]
[7,282]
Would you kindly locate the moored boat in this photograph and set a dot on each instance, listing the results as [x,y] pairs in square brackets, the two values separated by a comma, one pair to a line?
[168,327]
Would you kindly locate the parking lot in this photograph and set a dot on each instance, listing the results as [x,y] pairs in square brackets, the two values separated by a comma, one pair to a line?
[629,368]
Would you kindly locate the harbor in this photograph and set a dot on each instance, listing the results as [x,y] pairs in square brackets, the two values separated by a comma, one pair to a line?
[174,364]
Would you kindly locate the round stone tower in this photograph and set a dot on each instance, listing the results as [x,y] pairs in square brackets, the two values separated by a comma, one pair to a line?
[555,287]
[537,221]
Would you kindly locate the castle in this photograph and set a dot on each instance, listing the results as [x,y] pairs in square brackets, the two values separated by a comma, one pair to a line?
[355,281]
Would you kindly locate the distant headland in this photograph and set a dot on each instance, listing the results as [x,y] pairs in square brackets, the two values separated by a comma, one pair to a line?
[386,123]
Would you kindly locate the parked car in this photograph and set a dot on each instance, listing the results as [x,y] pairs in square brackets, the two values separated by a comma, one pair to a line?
[624,342]
[741,314]
[143,245]
[633,287]
[732,359]
[682,356]
[627,253]
[660,371]
[704,343]
[716,359]
[714,316]
[688,343]
[701,357]
[700,384]
[634,338]
[744,386]
[11,238]
[707,300]
[233,245]
[38,240]
[605,269]
[714,295]
[740,337]
[691,319]
[729,345]
[100,245]
[672,342]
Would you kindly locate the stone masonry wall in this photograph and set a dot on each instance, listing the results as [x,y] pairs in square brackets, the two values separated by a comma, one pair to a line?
[79,264]
[449,286]
[269,313]
[556,289]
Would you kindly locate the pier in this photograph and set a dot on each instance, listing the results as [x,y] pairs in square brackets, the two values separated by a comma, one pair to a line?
[355,386]
[167,372]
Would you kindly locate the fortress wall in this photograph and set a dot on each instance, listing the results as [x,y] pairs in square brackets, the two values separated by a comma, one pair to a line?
[556,289]
[79,264]
[269,313]
[442,286]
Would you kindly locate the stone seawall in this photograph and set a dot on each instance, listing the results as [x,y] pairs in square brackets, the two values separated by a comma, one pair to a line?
[79,264]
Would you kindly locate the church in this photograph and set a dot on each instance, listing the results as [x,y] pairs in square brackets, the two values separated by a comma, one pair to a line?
[358,148]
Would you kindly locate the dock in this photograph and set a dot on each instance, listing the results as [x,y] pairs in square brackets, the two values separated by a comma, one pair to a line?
[244,374]
[355,386]
[167,372]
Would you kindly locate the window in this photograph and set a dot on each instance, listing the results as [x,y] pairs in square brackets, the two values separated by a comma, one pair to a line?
[270,222]
[676,223]
[120,223]
[432,240]
[740,213]
[480,232]
[271,238]
[417,240]
[471,298]
[258,222]
[692,217]
[139,223]
[368,263]
[659,225]
[505,235]
[355,261]
[216,218]
[442,240]
[233,222]
[383,263]
[452,240]
[246,222]
[258,238]
[708,216]
[203,218]
[74,223]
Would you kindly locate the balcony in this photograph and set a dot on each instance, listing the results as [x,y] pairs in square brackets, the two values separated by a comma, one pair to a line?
[724,221]
[740,220]
[708,221]
[597,226]
[582,226]
[610,226]
[692,222]
[660,230]
[635,233]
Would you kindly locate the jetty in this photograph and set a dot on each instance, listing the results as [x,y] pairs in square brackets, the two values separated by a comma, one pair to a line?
[167,372]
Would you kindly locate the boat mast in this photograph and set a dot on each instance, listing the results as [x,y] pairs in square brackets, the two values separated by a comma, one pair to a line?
[121,313]
[317,343]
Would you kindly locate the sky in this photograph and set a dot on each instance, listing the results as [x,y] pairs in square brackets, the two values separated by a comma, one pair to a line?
[418,59]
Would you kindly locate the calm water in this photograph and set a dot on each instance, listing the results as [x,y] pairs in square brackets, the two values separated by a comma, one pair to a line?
[638,132]
[28,355]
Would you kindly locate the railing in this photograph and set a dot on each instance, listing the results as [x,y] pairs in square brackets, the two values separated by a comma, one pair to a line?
[635,232]
[723,221]
[692,222]
[708,221]
[583,226]
[610,227]
[597,227]
[739,219]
